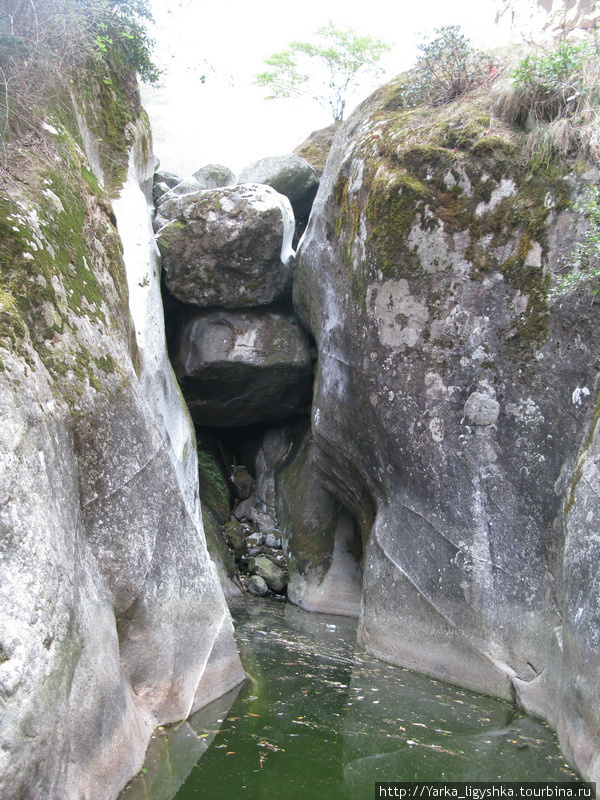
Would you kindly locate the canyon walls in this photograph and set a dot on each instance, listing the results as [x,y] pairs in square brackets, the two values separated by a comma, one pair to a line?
[454,406]
[112,618]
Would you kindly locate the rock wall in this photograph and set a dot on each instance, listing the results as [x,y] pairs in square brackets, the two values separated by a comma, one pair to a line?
[454,402]
[524,20]
[112,620]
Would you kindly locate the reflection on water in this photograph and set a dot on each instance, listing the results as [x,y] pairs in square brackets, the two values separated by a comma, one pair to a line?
[318,717]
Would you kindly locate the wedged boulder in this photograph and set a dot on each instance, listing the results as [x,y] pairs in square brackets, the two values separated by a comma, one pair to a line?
[228,247]
[452,398]
[289,175]
[162,182]
[240,367]
[214,176]
[187,186]
[168,178]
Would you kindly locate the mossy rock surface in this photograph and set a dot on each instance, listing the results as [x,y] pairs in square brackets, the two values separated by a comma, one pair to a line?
[449,395]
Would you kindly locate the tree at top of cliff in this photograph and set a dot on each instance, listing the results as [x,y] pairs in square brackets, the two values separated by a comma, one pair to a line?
[327,69]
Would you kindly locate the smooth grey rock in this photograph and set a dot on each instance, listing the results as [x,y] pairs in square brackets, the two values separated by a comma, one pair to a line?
[274,576]
[273,540]
[580,693]
[102,545]
[214,176]
[265,522]
[228,247]
[168,178]
[181,189]
[241,367]
[257,585]
[243,508]
[319,540]
[289,175]
[242,483]
[276,445]
[461,494]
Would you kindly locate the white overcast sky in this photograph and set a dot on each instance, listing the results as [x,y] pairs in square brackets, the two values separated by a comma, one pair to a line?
[226,119]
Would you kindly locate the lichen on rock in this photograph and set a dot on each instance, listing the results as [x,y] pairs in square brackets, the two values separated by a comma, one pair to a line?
[443,414]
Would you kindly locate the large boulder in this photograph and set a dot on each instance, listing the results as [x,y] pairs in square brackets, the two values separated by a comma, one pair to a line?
[241,367]
[452,397]
[214,176]
[289,175]
[228,247]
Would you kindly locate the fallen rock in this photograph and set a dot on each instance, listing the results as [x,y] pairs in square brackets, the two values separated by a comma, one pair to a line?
[289,175]
[214,176]
[273,540]
[257,586]
[293,177]
[274,576]
[241,367]
[242,483]
[158,191]
[243,508]
[235,536]
[185,187]
[228,247]
[254,539]
[168,178]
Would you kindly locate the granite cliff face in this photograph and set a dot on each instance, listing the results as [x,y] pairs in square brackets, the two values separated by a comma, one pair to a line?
[454,406]
[112,618]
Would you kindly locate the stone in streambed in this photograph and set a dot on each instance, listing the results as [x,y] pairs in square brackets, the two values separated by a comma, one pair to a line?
[274,576]
[257,586]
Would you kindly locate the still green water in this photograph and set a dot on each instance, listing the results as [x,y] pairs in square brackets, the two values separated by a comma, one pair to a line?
[320,718]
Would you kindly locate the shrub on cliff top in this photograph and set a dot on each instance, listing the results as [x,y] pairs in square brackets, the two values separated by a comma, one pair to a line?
[447,67]
[48,41]
[555,95]
[557,82]
[328,69]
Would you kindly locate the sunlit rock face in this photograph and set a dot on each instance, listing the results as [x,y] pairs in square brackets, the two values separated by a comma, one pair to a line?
[228,247]
[290,175]
[112,620]
[452,399]
[242,367]
[539,20]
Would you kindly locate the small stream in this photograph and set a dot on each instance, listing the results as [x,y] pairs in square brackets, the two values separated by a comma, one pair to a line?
[320,718]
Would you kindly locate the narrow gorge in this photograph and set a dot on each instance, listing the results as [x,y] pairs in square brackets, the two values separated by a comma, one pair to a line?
[353,381]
